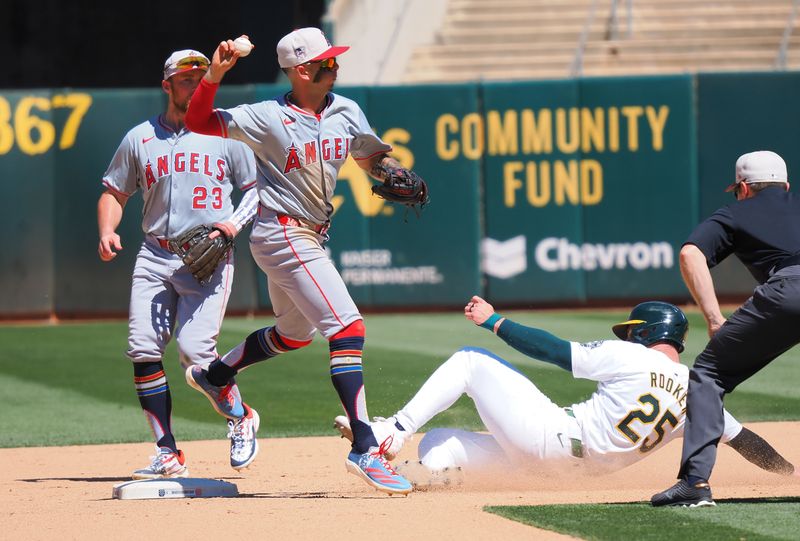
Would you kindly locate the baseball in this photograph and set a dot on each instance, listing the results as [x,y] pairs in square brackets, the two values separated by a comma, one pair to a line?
[243,45]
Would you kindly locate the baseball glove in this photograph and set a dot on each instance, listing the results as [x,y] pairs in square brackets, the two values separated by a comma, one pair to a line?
[403,186]
[200,253]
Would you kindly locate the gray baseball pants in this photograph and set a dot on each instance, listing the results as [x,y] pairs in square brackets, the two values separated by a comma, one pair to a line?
[764,327]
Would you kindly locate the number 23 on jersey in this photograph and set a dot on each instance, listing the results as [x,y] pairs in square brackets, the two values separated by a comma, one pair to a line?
[202,199]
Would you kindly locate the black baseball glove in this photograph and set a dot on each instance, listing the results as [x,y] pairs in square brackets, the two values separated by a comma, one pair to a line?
[402,186]
[200,253]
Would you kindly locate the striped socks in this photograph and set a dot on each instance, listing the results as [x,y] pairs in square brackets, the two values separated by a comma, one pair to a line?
[156,401]
[259,346]
[346,348]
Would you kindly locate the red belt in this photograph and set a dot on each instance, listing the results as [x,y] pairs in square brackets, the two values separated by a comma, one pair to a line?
[284,219]
[164,243]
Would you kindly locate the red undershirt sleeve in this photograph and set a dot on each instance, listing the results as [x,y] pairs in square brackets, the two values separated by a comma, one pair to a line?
[200,117]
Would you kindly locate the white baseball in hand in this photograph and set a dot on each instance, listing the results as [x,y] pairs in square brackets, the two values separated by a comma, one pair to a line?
[243,45]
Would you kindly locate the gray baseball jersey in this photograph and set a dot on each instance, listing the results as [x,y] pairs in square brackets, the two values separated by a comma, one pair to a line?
[298,157]
[186,178]
[299,154]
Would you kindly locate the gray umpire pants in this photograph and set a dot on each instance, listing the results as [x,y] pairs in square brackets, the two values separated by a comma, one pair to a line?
[763,328]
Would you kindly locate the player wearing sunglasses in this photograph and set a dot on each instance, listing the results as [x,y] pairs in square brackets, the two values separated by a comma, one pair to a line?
[301,139]
[186,180]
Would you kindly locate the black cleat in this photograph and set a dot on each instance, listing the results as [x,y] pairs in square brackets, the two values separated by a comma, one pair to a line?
[685,495]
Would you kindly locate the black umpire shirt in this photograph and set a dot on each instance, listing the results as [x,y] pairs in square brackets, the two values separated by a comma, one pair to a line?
[761,231]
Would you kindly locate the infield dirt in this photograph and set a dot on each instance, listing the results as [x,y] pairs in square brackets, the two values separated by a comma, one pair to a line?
[298,489]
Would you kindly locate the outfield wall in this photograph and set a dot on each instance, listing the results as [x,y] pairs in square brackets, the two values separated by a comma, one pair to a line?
[569,192]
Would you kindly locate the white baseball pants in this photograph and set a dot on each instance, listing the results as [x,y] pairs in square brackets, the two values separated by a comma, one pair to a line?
[524,424]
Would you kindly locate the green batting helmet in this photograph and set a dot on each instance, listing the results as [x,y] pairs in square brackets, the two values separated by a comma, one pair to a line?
[653,322]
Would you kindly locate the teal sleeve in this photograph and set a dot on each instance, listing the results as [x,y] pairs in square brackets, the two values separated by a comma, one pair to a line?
[536,343]
[490,321]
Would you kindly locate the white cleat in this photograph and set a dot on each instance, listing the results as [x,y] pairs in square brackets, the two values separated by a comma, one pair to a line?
[164,465]
[244,445]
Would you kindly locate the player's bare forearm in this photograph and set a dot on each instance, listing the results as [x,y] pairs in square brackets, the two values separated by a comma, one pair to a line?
[109,211]
[109,214]
[397,184]
[381,166]
[697,277]
[758,451]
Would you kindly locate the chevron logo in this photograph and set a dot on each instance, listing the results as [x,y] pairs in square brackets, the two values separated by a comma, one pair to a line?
[504,259]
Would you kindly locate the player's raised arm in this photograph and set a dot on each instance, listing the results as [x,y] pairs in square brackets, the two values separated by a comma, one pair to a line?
[479,312]
[224,59]
[535,343]
[200,116]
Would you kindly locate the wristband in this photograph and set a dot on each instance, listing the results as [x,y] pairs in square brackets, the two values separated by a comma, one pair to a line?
[490,321]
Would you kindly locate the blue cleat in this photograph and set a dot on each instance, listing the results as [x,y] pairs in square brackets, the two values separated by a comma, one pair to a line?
[382,429]
[373,468]
[227,400]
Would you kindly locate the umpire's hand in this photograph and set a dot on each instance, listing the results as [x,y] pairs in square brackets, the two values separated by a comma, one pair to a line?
[478,310]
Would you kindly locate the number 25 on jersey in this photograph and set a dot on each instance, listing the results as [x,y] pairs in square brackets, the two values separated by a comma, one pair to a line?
[624,425]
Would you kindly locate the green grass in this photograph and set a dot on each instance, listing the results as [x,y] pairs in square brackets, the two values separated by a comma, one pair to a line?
[71,383]
[765,519]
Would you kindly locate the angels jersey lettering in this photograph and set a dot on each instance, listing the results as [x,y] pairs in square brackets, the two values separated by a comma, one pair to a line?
[300,154]
[186,178]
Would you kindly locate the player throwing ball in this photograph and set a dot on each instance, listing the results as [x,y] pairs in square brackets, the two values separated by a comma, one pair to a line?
[639,405]
[186,180]
[301,140]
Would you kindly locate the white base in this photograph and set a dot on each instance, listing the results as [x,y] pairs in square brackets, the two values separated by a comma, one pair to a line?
[162,489]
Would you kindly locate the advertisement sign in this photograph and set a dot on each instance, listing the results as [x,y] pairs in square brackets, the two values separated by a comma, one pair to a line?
[589,187]
[386,254]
